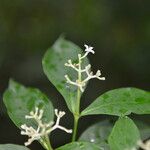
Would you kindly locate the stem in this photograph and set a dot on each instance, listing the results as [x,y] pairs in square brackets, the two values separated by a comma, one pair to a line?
[48,143]
[43,143]
[77,114]
[76,118]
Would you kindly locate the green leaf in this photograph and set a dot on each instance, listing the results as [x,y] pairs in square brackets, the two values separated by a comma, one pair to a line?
[80,146]
[53,65]
[98,133]
[20,101]
[120,102]
[12,147]
[124,135]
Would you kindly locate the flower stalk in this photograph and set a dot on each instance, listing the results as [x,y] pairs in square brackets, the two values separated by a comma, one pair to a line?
[81,83]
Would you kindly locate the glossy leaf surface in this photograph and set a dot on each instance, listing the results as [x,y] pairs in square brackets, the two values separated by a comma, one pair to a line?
[124,135]
[12,147]
[53,65]
[20,101]
[120,102]
[98,133]
[80,146]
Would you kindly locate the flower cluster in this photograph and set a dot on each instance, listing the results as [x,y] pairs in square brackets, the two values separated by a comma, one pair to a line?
[77,67]
[42,129]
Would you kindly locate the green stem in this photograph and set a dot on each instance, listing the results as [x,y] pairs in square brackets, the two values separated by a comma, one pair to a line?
[48,143]
[43,144]
[77,114]
[76,118]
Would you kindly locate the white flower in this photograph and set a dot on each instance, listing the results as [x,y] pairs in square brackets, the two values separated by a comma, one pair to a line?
[42,129]
[77,83]
[89,49]
[87,70]
[31,132]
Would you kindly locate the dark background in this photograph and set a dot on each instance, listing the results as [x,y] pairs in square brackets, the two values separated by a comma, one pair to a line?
[119,30]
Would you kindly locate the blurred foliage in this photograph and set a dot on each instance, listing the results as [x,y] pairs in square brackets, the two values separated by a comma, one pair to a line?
[119,31]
